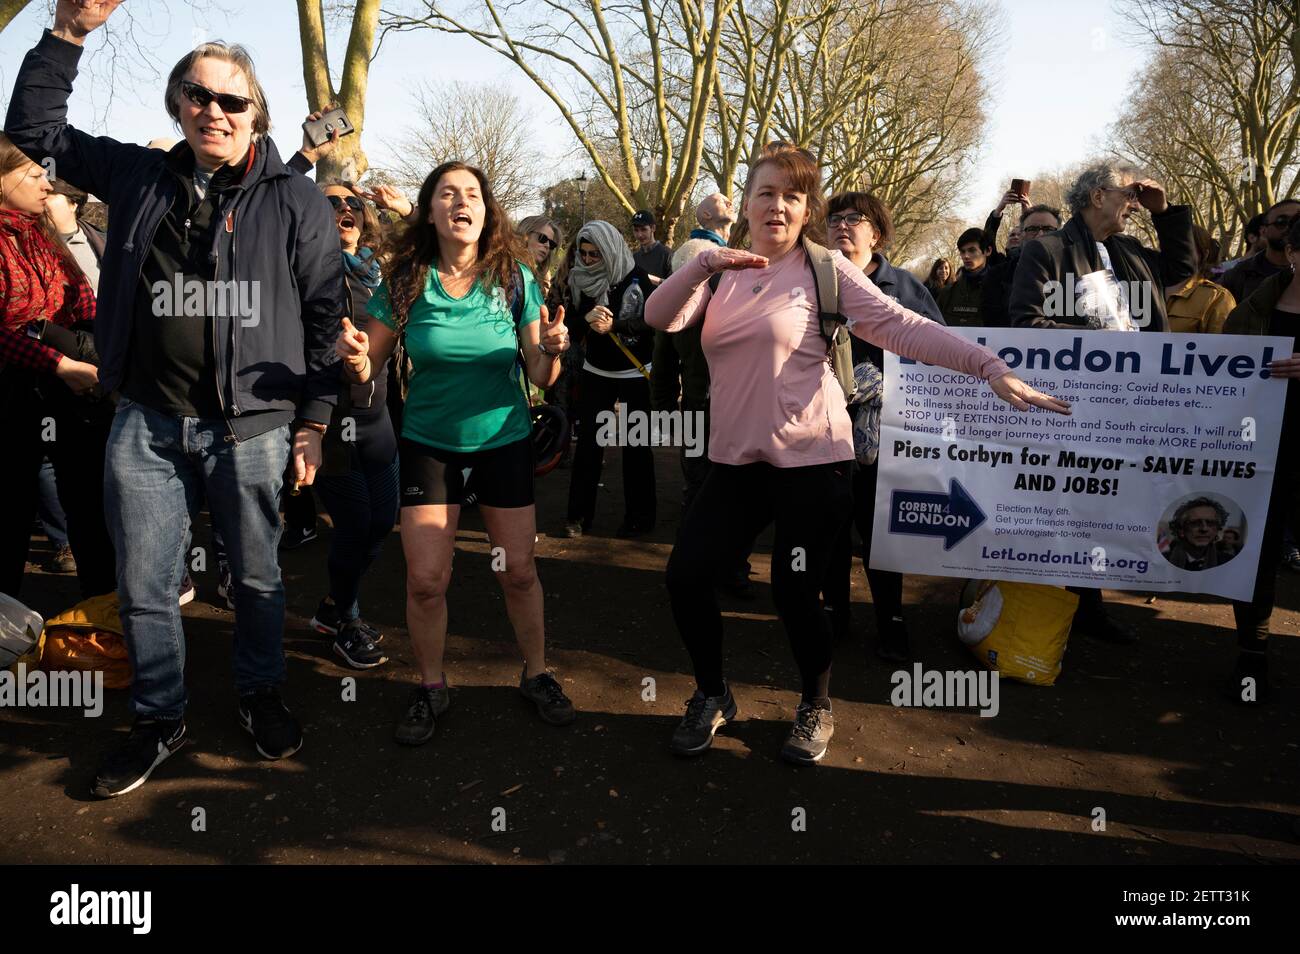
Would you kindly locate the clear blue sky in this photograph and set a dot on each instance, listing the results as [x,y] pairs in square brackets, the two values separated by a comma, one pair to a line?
[1063,73]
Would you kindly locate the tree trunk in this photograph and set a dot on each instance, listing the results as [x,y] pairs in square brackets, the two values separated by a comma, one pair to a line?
[348,161]
[10,9]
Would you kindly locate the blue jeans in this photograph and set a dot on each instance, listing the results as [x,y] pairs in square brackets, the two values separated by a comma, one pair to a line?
[363,505]
[51,512]
[158,469]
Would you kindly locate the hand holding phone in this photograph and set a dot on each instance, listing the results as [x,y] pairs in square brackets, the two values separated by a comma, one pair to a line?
[320,131]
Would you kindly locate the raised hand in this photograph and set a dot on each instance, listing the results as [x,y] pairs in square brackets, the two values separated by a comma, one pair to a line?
[313,152]
[386,197]
[1013,198]
[1021,396]
[553,337]
[722,259]
[1152,195]
[75,19]
[353,347]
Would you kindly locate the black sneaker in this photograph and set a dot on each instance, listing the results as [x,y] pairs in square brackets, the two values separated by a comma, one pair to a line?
[187,590]
[418,723]
[573,529]
[150,743]
[294,537]
[266,718]
[809,736]
[356,648]
[892,642]
[225,588]
[705,715]
[328,621]
[545,693]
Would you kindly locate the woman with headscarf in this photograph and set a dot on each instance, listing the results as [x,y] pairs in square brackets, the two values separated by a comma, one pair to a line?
[609,293]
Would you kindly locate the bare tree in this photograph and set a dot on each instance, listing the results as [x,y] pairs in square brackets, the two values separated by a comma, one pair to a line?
[902,119]
[600,64]
[1225,122]
[121,57]
[348,161]
[478,124]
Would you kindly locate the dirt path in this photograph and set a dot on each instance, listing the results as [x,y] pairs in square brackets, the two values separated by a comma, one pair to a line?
[1139,732]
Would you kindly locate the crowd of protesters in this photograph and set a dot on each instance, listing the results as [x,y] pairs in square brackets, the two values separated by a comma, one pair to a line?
[391,367]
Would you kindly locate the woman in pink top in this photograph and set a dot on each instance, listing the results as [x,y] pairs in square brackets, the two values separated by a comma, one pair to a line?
[781,438]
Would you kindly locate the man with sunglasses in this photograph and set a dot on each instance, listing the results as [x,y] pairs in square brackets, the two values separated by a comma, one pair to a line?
[1250,273]
[218,395]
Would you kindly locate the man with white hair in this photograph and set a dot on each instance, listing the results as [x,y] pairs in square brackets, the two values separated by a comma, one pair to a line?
[221,297]
[1089,275]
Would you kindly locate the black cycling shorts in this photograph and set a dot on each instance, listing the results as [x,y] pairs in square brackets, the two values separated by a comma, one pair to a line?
[500,477]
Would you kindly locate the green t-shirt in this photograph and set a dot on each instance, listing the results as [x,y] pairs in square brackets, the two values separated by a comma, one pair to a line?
[465,394]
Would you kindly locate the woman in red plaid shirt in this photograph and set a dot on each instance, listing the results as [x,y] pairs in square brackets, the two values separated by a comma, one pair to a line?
[49,403]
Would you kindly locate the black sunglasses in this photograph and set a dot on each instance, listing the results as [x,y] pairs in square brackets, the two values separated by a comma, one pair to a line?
[339,202]
[200,96]
[1282,221]
[546,240]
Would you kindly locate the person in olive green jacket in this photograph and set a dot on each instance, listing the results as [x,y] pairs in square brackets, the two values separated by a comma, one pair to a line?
[1273,309]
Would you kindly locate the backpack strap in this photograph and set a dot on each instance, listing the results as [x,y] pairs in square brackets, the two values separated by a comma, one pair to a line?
[714,281]
[827,283]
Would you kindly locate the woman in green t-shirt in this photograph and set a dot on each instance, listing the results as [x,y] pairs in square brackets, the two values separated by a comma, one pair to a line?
[457,293]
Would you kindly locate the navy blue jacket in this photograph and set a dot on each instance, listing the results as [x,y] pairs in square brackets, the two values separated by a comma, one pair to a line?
[279,232]
[902,286]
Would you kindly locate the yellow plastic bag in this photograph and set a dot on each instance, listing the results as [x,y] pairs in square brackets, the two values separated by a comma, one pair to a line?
[88,637]
[1019,629]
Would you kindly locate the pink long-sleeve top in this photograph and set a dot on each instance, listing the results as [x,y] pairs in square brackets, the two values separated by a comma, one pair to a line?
[773,396]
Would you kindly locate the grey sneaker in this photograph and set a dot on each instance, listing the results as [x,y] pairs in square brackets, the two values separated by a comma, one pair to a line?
[544,692]
[417,724]
[809,736]
[705,715]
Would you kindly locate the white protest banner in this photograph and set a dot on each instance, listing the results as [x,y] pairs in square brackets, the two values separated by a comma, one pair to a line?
[1158,481]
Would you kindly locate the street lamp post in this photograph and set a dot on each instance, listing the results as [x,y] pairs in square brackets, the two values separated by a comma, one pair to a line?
[582,183]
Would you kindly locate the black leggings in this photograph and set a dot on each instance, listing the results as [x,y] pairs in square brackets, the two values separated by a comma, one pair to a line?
[886,585]
[1253,617]
[806,503]
[51,422]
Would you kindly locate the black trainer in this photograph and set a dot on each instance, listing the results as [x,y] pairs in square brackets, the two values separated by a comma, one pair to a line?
[294,537]
[705,715]
[421,716]
[149,743]
[545,693]
[328,621]
[267,719]
[356,648]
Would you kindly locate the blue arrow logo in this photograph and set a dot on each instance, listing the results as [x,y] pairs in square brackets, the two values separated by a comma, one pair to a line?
[925,514]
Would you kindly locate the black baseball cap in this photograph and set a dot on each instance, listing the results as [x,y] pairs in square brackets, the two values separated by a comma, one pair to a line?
[642,218]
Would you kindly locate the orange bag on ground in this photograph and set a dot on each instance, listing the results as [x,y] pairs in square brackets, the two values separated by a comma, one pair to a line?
[89,637]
